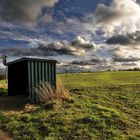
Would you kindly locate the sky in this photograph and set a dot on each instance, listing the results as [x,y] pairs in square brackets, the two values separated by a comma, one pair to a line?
[80,34]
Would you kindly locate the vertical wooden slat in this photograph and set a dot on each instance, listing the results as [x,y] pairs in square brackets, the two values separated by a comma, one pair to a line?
[39,71]
[33,80]
[48,69]
[55,75]
[36,74]
[53,71]
[43,75]
[46,72]
[36,78]
[50,73]
[29,79]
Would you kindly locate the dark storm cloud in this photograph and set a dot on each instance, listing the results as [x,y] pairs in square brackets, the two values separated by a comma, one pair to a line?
[138,1]
[25,11]
[79,48]
[92,61]
[52,49]
[128,59]
[16,51]
[82,63]
[120,39]
[40,51]
[98,60]
[129,39]
[129,64]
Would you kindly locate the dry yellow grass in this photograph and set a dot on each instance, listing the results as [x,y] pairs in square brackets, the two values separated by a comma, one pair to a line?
[47,93]
[3,85]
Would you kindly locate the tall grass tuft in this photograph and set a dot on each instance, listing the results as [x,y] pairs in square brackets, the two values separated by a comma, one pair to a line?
[48,94]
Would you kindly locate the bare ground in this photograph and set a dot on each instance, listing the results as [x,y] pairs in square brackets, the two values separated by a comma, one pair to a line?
[4,136]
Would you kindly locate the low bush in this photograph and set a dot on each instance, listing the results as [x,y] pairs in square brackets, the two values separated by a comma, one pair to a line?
[50,95]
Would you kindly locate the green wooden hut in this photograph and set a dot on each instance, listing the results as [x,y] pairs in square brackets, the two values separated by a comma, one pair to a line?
[25,74]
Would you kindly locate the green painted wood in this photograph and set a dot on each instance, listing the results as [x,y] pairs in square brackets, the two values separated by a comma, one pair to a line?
[33,80]
[48,69]
[39,72]
[36,78]
[45,72]
[36,73]
[50,78]
[29,79]
[43,75]
[55,75]
[52,74]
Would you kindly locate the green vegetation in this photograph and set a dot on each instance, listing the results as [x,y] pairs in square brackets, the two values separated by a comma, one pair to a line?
[3,87]
[106,107]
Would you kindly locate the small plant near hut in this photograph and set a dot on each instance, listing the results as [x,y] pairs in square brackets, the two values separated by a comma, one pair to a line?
[51,96]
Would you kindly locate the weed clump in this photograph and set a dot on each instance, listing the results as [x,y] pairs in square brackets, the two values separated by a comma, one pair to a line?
[51,96]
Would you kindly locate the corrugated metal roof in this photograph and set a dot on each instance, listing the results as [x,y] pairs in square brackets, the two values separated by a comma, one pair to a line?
[31,59]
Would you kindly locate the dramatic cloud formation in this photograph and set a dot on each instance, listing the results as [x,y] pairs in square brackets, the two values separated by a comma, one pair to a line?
[77,47]
[25,11]
[119,39]
[96,36]
[118,57]
[82,63]
[93,64]
[129,39]
[121,14]
[121,54]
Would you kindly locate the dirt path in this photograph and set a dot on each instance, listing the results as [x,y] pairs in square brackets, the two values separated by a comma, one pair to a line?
[4,136]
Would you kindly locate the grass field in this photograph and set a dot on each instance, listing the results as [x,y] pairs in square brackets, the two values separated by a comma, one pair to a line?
[106,107]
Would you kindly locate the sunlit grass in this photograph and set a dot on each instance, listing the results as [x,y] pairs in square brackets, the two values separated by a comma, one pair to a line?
[106,107]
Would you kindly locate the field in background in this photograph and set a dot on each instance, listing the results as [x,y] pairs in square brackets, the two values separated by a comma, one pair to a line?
[3,87]
[106,107]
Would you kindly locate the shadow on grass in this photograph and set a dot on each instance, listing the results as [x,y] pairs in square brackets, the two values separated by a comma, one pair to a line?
[12,103]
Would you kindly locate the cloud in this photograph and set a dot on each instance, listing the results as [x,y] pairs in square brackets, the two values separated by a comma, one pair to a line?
[125,59]
[130,64]
[97,63]
[119,39]
[16,51]
[98,60]
[24,11]
[82,63]
[128,39]
[77,47]
[120,16]
[121,54]
[83,43]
